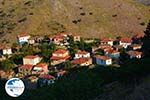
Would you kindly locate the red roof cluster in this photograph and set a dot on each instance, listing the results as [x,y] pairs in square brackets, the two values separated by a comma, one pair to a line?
[27,66]
[126,40]
[102,57]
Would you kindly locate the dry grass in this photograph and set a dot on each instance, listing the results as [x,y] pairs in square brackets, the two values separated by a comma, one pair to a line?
[108,19]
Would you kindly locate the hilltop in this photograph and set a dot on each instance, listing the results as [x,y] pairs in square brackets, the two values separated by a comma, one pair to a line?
[88,18]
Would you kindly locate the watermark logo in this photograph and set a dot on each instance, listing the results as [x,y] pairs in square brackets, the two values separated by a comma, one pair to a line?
[14,87]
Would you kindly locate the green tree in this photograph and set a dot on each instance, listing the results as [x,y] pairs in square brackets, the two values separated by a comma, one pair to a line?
[67,65]
[17,58]
[47,50]
[7,65]
[81,44]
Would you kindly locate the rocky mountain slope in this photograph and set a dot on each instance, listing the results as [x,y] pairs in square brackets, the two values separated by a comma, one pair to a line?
[88,18]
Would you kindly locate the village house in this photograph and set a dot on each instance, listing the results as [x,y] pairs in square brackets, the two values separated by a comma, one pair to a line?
[103,60]
[32,60]
[59,56]
[113,54]
[59,38]
[82,62]
[107,41]
[135,54]
[125,42]
[23,38]
[25,69]
[135,47]
[45,80]
[82,54]
[7,51]
[76,38]
[41,68]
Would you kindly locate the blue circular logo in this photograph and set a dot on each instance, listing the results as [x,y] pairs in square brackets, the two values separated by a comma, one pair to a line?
[14,87]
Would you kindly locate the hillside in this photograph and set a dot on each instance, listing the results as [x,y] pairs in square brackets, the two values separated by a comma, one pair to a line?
[88,18]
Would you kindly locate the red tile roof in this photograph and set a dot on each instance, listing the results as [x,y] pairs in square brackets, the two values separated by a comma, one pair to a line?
[106,40]
[27,66]
[41,65]
[80,60]
[31,57]
[105,49]
[47,77]
[59,58]
[126,40]
[102,57]
[23,35]
[60,51]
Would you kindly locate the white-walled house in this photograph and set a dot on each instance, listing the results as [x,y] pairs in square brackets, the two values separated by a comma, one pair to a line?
[82,54]
[59,56]
[7,51]
[23,38]
[125,42]
[103,60]
[82,62]
[32,60]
